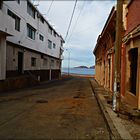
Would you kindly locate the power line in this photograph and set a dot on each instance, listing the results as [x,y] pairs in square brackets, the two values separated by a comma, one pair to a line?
[50,7]
[71,20]
[76,21]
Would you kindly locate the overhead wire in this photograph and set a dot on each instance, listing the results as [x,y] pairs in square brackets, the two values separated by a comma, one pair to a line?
[76,21]
[71,20]
[50,7]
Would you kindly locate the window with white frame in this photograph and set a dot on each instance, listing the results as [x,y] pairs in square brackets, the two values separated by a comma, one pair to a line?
[49,44]
[50,30]
[54,45]
[41,37]
[18,1]
[45,62]
[16,18]
[31,10]
[52,63]
[31,31]
[33,61]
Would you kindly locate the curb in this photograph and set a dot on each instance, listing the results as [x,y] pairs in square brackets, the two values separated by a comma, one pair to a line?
[115,127]
[114,135]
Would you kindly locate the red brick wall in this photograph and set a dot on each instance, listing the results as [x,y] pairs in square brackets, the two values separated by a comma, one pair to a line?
[133,17]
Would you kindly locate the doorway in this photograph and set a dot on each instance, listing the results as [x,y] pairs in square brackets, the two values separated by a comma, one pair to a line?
[133,58]
[20,62]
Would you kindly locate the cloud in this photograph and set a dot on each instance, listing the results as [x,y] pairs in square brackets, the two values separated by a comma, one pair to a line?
[89,25]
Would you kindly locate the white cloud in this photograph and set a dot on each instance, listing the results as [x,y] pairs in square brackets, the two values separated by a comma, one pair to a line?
[89,26]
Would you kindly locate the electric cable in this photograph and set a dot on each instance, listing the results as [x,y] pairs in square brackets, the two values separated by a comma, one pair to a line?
[71,20]
[76,21]
[50,7]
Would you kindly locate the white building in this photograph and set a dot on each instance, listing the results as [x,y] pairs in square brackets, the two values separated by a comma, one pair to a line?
[28,43]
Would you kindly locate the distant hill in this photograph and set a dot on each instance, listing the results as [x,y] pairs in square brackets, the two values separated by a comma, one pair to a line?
[92,67]
[85,67]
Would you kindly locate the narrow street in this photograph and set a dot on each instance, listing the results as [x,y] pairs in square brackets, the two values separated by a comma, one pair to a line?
[65,109]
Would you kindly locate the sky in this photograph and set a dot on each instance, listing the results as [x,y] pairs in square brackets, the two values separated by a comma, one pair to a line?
[88,21]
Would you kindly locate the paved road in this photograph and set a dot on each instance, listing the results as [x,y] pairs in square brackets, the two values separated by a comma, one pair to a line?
[66,109]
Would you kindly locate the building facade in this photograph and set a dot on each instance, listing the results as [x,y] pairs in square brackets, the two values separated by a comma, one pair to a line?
[28,43]
[104,52]
[130,54]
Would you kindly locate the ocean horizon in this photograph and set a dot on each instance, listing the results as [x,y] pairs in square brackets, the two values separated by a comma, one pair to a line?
[79,71]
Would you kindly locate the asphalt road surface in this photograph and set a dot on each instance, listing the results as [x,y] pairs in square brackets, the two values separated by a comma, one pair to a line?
[65,109]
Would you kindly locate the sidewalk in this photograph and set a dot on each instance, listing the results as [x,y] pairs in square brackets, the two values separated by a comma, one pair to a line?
[127,129]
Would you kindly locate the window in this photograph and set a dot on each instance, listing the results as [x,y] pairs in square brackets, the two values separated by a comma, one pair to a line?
[33,61]
[54,34]
[31,32]
[50,30]
[1,2]
[133,58]
[57,64]
[61,43]
[54,45]
[18,1]
[41,37]
[41,19]
[52,63]
[30,10]
[16,18]
[45,62]
[49,44]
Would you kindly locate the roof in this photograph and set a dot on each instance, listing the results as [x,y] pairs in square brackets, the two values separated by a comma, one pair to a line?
[45,19]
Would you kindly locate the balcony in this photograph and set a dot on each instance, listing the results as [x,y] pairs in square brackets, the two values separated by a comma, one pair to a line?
[6,24]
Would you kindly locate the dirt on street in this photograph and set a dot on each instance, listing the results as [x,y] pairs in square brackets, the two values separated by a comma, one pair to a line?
[66,109]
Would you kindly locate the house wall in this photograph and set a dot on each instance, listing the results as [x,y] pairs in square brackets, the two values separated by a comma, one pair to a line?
[132,21]
[129,96]
[40,69]
[48,60]
[2,57]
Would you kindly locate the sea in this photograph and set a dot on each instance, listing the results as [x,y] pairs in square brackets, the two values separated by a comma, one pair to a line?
[79,71]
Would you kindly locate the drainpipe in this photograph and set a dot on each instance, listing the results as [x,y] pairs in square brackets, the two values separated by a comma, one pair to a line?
[118,44]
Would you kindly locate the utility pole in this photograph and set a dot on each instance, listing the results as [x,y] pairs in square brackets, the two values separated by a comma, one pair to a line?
[68,61]
[118,45]
[69,64]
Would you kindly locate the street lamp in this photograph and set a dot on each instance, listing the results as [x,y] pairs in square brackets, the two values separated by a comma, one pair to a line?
[68,61]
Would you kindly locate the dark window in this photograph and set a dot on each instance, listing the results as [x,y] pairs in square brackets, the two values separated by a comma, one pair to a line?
[1,2]
[33,61]
[16,18]
[18,1]
[45,62]
[133,58]
[41,37]
[54,33]
[30,10]
[41,19]
[31,32]
[52,63]
[50,30]
[61,43]
[49,44]
[54,45]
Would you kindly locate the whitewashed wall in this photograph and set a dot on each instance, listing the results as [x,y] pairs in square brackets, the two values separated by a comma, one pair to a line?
[21,37]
